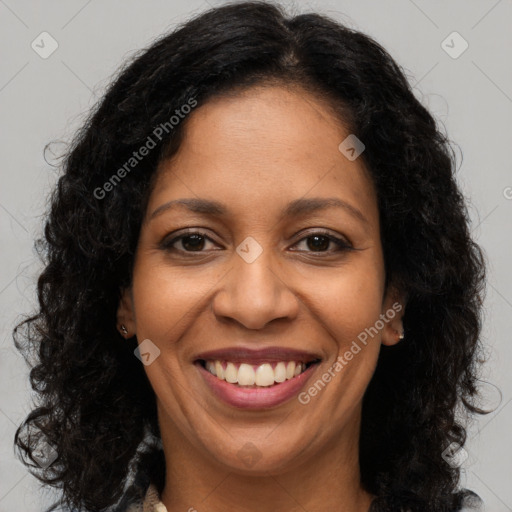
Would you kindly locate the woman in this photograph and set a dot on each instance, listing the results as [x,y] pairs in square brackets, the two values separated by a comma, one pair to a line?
[260,289]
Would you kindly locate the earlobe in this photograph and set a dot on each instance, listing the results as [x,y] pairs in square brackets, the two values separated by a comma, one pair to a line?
[393,336]
[393,311]
[125,314]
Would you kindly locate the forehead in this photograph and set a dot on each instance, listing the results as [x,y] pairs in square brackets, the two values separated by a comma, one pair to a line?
[261,147]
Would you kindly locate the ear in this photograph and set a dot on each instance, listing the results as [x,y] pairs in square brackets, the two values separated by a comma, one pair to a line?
[126,314]
[393,309]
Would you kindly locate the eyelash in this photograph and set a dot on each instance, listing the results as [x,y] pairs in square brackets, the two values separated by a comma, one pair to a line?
[341,244]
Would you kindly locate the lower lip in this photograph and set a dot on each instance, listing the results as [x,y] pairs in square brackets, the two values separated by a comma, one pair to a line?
[256,398]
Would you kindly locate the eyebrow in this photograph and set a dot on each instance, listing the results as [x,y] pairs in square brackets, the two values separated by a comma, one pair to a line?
[297,207]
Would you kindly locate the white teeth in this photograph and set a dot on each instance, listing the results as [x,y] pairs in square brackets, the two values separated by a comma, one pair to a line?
[219,371]
[280,372]
[246,375]
[263,375]
[210,366]
[231,373]
[290,369]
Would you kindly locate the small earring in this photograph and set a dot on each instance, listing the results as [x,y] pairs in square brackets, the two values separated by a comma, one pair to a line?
[401,335]
[123,328]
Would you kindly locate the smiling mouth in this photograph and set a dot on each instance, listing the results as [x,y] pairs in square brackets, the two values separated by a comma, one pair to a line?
[263,375]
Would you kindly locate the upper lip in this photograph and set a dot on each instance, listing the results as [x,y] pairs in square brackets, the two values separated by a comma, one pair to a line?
[258,355]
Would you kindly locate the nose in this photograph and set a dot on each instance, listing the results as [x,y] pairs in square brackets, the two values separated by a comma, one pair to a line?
[253,294]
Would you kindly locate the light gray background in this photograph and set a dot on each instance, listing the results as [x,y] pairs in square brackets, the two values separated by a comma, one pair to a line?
[46,99]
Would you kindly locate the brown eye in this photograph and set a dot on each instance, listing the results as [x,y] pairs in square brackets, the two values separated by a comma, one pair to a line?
[190,242]
[195,242]
[320,242]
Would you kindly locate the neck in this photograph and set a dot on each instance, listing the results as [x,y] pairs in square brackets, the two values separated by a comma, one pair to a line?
[328,481]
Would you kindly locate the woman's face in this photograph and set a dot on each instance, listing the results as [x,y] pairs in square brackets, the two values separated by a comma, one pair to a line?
[256,277]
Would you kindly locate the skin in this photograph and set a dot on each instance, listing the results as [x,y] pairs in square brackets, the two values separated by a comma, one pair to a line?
[255,152]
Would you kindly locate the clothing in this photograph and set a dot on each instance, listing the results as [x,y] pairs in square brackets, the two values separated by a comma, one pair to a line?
[150,503]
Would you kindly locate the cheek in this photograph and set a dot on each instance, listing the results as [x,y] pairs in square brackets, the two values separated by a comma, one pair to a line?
[348,300]
[166,297]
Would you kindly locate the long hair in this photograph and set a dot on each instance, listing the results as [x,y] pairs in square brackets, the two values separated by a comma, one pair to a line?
[95,406]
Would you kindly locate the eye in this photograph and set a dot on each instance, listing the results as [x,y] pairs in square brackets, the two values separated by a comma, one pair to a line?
[190,242]
[195,242]
[319,241]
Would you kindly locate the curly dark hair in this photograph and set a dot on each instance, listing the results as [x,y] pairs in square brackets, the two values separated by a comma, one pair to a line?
[95,405]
